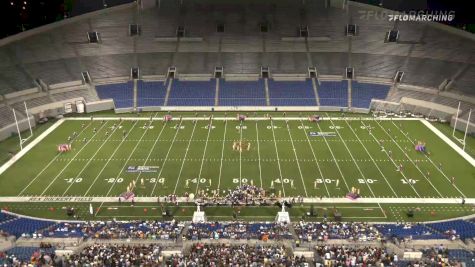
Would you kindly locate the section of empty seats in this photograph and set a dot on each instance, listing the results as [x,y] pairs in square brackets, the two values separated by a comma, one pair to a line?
[7,116]
[333,93]
[242,93]
[151,94]
[30,103]
[24,226]
[74,94]
[121,93]
[291,93]
[455,229]
[416,231]
[192,93]
[362,93]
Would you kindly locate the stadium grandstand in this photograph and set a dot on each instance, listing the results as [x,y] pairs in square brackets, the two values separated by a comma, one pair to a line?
[237,133]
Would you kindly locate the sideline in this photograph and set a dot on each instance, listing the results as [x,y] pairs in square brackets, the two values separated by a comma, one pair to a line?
[33,143]
[392,200]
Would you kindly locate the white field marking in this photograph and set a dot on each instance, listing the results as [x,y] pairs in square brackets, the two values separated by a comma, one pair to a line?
[449,142]
[184,157]
[30,146]
[233,118]
[222,155]
[166,157]
[315,157]
[245,216]
[370,200]
[203,158]
[447,178]
[277,154]
[354,161]
[395,165]
[91,158]
[151,150]
[40,138]
[259,153]
[75,155]
[240,153]
[334,159]
[407,156]
[110,158]
[297,159]
[126,162]
[374,162]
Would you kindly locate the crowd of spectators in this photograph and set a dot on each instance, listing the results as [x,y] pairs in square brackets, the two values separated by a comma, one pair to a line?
[238,230]
[321,231]
[114,255]
[235,255]
[154,230]
[347,256]
[40,257]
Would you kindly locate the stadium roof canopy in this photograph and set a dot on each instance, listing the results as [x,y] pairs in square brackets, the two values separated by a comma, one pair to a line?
[429,53]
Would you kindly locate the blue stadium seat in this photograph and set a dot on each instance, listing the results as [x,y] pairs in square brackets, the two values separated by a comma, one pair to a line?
[24,226]
[362,93]
[151,93]
[332,93]
[291,93]
[464,229]
[121,93]
[418,231]
[192,93]
[463,256]
[242,93]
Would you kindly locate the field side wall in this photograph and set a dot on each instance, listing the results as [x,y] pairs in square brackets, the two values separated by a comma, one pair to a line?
[7,131]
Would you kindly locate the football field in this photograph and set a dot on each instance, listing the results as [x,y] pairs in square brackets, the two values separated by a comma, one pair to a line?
[289,157]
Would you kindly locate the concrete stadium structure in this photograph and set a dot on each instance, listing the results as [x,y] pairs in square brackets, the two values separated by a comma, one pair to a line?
[44,66]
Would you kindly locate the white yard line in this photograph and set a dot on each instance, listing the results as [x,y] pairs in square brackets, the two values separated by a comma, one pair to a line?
[358,167]
[439,169]
[90,160]
[125,164]
[151,150]
[354,161]
[372,159]
[190,118]
[204,155]
[395,165]
[297,159]
[407,156]
[48,199]
[36,141]
[334,159]
[72,160]
[222,155]
[166,157]
[449,142]
[259,154]
[109,159]
[184,157]
[315,158]
[240,153]
[30,145]
[277,154]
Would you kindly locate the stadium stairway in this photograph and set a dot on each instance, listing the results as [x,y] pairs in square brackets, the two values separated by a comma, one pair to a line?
[266,86]
[350,102]
[216,96]
[167,95]
[315,91]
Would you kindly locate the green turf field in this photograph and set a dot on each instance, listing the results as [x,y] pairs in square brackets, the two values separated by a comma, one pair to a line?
[282,157]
